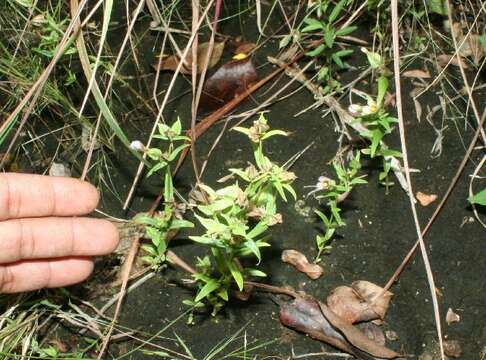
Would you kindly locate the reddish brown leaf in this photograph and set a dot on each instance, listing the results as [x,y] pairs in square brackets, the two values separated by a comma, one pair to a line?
[300,262]
[230,80]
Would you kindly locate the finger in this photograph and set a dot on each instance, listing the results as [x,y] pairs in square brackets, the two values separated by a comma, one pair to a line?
[39,274]
[25,195]
[54,237]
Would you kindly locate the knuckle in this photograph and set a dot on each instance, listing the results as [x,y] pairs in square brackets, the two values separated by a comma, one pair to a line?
[7,280]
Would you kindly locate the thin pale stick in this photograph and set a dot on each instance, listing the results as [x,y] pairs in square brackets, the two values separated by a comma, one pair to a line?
[401,124]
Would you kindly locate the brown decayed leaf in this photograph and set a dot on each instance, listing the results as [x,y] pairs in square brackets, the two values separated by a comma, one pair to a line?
[425,199]
[471,46]
[417,73]
[230,80]
[300,262]
[171,62]
[346,303]
[245,48]
[452,317]
[444,59]
[303,315]
[371,294]
[373,332]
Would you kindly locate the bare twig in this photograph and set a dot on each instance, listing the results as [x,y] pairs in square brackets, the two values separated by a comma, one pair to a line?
[401,124]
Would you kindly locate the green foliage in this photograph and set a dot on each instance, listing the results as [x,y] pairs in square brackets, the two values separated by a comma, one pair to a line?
[479,198]
[159,227]
[236,219]
[327,50]
[334,192]
[378,123]
[51,30]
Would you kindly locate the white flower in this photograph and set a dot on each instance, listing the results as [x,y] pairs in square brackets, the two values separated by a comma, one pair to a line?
[137,145]
[355,109]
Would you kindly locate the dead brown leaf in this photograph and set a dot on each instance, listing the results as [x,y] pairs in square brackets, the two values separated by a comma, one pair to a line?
[471,46]
[300,262]
[452,317]
[371,293]
[373,332]
[230,80]
[172,62]
[417,73]
[245,48]
[346,303]
[444,59]
[425,199]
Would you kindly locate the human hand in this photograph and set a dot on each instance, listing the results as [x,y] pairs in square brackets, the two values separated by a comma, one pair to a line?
[42,243]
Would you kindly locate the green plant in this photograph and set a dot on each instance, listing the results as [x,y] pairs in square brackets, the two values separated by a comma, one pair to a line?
[236,219]
[334,192]
[327,50]
[163,225]
[376,124]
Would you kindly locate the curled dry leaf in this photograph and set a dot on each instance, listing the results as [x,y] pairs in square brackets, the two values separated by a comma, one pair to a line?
[417,73]
[172,62]
[349,305]
[300,262]
[452,317]
[425,199]
[230,80]
[372,294]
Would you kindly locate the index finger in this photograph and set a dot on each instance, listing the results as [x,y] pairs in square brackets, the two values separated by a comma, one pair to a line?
[26,195]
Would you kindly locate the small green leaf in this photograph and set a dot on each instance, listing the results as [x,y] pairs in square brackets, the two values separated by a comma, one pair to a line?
[336,11]
[242,130]
[236,273]
[207,289]
[271,133]
[317,51]
[255,272]
[177,150]
[177,127]
[346,31]
[382,88]
[154,154]
[250,244]
[479,198]
[312,25]
[377,135]
[157,167]
[329,38]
